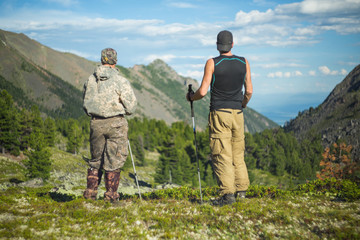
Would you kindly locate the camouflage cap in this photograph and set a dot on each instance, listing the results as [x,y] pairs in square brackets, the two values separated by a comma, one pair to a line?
[108,56]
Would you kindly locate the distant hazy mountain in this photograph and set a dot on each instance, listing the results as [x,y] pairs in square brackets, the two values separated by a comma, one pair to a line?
[337,118]
[36,74]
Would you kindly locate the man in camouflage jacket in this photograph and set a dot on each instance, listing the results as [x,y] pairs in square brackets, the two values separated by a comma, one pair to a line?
[108,97]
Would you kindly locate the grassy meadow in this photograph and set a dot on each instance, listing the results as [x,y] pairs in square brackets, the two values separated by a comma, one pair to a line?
[56,210]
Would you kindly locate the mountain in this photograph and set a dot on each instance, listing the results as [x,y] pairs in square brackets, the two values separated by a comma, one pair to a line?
[30,84]
[36,74]
[69,67]
[337,118]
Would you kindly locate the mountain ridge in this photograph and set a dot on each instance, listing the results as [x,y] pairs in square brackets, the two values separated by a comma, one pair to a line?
[33,67]
[337,118]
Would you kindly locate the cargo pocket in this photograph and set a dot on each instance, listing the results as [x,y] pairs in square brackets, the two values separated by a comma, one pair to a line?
[116,153]
[216,146]
[123,151]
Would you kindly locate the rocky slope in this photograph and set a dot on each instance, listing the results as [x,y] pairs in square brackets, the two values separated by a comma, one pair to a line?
[337,118]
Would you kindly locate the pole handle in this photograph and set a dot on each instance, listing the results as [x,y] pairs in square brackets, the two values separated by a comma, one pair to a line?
[189,92]
[191,102]
[190,88]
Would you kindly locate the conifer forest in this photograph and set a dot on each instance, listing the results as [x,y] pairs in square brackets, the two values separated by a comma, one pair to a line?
[272,150]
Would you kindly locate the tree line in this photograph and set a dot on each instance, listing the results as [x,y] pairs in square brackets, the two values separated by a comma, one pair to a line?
[25,130]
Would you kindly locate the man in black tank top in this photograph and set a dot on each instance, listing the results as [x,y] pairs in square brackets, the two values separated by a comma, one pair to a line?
[227,75]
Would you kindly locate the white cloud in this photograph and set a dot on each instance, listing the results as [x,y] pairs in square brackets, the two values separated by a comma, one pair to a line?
[255,75]
[254,17]
[297,23]
[326,71]
[275,75]
[193,74]
[298,74]
[329,6]
[285,25]
[280,74]
[312,73]
[280,65]
[195,66]
[182,5]
[271,75]
[342,25]
[307,31]
[167,58]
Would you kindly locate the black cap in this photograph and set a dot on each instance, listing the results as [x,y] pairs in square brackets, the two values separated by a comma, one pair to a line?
[224,41]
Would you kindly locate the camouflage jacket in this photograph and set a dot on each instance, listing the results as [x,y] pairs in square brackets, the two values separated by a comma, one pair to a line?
[107,93]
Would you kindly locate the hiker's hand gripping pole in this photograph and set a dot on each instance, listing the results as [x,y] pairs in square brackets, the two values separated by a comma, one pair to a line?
[190,91]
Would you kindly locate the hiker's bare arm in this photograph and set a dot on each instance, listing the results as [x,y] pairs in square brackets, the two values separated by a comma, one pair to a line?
[208,72]
[248,86]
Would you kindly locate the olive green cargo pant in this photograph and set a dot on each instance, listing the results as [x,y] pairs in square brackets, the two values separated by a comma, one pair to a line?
[227,143]
[108,143]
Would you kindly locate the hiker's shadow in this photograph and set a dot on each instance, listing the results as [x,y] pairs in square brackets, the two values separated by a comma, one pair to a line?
[141,183]
[57,196]
[61,197]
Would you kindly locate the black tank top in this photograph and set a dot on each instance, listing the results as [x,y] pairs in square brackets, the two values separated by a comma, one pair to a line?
[227,82]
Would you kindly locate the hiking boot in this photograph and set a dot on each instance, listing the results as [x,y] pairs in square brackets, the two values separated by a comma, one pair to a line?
[240,194]
[226,199]
[111,184]
[92,184]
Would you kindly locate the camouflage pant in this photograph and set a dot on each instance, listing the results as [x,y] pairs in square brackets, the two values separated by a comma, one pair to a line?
[227,143]
[108,143]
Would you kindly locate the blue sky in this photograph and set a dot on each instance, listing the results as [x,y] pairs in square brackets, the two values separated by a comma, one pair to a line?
[298,50]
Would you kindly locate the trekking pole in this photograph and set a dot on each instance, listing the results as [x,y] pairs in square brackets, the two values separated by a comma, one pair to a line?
[196,149]
[136,178]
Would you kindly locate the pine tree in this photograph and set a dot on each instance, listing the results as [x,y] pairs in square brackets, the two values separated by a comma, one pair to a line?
[75,138]
[36,137]
[250,149]
[39,163]
[278,159]
[49,132]
[163,168]
[137,148]
[9,125]
[25,129]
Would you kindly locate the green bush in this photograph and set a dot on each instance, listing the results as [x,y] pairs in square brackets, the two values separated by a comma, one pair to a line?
[328,185]
[265,191]
[349,191]
[343,189]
